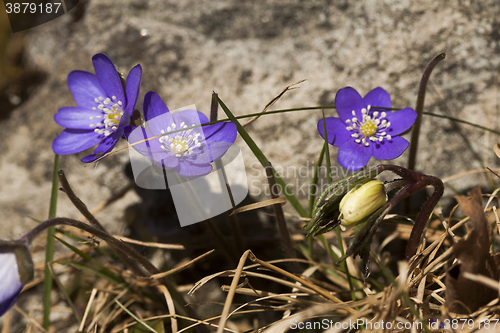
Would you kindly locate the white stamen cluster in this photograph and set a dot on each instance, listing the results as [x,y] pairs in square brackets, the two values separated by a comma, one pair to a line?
[181,143]
[112,112]
[371,128]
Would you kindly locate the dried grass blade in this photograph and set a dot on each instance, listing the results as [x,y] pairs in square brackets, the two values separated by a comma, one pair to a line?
[320,291]
[496,149]
[258,205]
[30,318]
[274,100]
[230,295]
[135,317]
[151,244]
[493,284]
[284,324]
[351,319]
[63,290]
[171,307]
[180,268]
[87,310]
[283,282]
[290,297]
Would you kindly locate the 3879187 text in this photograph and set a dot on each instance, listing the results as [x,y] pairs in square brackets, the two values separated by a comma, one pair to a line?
[32,8]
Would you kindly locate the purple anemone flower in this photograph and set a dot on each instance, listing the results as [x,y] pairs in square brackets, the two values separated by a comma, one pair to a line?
[16,269]
[11,282]
[364,129]
[187,152]
[104,109]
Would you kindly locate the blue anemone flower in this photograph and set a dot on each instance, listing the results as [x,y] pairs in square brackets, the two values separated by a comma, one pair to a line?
[187,152]
[365,127]
[16,269]
[11,282]
[104,109]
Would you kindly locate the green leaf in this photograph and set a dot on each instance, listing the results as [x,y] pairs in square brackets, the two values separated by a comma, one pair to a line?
[103,271]
[85,267]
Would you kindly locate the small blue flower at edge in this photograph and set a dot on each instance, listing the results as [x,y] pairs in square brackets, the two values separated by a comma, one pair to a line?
[362,130]
[104,109]
[11,285]
[188,153]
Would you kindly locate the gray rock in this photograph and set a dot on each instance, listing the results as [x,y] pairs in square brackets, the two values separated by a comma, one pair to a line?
[248,53]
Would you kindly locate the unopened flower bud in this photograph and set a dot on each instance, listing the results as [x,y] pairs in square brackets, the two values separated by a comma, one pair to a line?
[359,204]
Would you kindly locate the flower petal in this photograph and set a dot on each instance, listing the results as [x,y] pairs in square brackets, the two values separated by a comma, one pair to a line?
[220,132]
[151,148]
[11,281]
[218,149]
[154,108]
[335,130]
[77,118]
[190,117]
[104,147]
[400,120]
[378,97]
[134,134]
[132,87]
[85,88]
[166,159]
[390,149]
[72,141]
[124,122]
[188,170]
[108,77]
[346,100]
[353,156]
[208,153]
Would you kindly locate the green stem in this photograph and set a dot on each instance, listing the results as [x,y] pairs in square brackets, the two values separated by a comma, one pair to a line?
[314,183]
[343,264]
[239,241]
[49,250]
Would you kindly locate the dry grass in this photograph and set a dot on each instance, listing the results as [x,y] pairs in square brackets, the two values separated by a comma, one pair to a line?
[320,292]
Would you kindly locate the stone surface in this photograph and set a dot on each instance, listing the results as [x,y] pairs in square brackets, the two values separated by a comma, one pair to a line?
[248,53]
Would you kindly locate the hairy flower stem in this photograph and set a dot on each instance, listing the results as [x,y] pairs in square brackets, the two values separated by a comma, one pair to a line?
[420,109]
[423,216]
[126,253]
[416,181]
[92,220]
[116,244]
[113,242]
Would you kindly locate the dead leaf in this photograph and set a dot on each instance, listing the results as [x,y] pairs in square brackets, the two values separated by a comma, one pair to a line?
[463,295]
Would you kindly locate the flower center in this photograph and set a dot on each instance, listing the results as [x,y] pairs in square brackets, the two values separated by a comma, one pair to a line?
[182,143]
[112,112]
[368,128]
[373,127]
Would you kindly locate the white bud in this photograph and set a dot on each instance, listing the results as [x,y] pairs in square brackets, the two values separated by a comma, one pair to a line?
[358,204]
